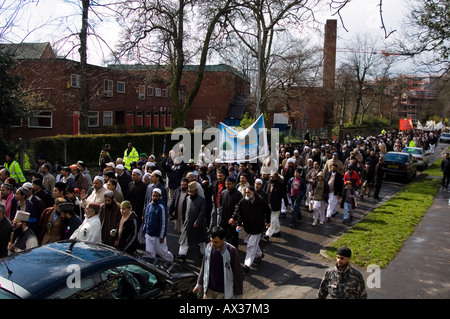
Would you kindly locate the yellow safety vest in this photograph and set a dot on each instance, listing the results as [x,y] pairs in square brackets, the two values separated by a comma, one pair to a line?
[133,156]
[15,171]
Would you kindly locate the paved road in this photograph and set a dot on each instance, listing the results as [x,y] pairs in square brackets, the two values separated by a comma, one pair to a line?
[292,267]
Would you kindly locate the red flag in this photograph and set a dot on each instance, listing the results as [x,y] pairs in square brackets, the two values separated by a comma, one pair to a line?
[406,124]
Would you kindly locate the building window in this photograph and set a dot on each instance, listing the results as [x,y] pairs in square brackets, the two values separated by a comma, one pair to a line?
[93,118]
[120,87]
[107,118]
[157,92]
[43,119]
[108,88]
[141,92]
[74,81]
[164,92]
[150,91]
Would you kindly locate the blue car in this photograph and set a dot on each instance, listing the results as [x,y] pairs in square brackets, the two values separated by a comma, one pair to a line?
[81,270]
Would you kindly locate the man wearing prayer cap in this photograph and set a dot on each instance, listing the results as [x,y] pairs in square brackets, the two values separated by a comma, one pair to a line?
[155,227]
[91,228]
[194,230]
[23,238]
[98,193]
[343,281]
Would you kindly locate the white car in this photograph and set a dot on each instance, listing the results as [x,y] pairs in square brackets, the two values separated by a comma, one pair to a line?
[445,137]
[420,155]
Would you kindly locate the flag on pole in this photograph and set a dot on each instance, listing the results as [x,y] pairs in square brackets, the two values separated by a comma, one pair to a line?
[406,124]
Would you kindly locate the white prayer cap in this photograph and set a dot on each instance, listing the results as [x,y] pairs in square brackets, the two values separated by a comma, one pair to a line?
[137,171]
[99,178]
[22,216]
[259,181]
[157,190]
[28,185]
[157,172]
[111,164]
[120,166]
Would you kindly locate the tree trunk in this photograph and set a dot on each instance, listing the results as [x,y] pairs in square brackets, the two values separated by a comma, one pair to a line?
[84,77]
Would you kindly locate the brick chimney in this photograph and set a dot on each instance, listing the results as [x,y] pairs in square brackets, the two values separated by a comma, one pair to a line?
[329,71]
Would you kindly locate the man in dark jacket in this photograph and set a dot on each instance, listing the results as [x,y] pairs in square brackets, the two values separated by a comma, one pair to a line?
[253,213]
[445,168]
[194,227]
[379,173]
[276,192]
[5,232]
[175,169]
[228,200]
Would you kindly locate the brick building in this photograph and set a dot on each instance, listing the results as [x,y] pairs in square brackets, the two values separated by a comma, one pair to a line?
[125,99]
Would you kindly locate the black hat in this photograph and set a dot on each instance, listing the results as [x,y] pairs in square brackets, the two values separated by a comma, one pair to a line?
[61,186]
[66,207]
[345,252]
[231,179]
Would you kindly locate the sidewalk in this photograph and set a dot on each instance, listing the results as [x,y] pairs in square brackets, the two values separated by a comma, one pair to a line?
[422,267]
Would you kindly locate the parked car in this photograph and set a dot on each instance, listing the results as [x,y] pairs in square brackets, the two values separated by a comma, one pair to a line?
[75,269]
[420,155]
[400,164]
[445,137]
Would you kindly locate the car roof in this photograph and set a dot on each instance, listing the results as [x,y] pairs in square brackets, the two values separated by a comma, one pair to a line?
[50,265]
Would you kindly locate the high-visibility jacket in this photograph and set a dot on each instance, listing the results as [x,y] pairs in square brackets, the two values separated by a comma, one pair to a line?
[15,171]
[128,157]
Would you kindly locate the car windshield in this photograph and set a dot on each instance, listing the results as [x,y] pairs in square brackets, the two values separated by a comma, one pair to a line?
[395,157]
[445,134]
[410,150]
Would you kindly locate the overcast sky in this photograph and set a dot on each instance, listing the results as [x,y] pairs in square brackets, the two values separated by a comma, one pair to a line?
[359,16]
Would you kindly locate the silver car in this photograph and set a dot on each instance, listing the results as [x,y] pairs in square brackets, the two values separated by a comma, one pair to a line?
[420,155]
[445,137]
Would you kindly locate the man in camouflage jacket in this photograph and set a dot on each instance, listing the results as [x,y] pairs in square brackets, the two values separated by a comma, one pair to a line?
[343,281]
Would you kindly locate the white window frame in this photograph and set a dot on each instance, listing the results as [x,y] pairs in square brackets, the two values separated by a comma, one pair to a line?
[108,118]
[93,115]
[38,116]
[141,92]
[117,86]
[108,86]
[149,90]
[164,93]
[74,80]
[157,92]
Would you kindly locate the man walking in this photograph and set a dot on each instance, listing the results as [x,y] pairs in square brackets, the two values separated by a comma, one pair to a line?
[155,227]
[445,168]
[253,213]
[228,200]
[221,274]
[343,281]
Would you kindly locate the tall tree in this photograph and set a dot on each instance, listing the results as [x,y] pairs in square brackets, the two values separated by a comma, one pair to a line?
[172,33]
[84,69]
[362,60]
[430,27]
[256,23]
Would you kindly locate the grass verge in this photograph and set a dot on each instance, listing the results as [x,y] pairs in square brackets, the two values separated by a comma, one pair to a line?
[380,235]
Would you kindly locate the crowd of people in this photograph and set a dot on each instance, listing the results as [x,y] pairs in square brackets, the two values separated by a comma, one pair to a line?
[131,200]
